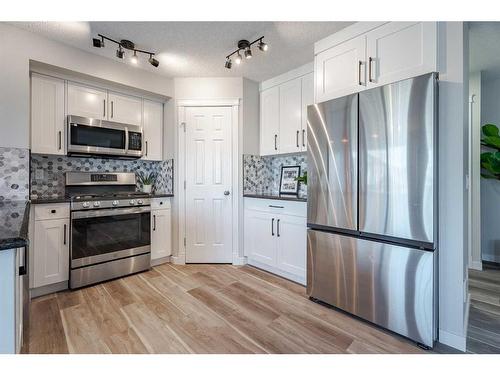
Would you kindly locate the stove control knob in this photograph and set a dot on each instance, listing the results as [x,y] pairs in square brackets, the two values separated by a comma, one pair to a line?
[139,201]
[115,203]
[132,202]
[97,204]
[85,204]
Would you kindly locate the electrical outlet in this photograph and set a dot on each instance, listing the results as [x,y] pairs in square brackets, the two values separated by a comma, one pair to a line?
[39,174]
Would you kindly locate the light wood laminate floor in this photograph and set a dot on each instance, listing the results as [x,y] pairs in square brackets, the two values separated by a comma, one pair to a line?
[483,334]
[200,309]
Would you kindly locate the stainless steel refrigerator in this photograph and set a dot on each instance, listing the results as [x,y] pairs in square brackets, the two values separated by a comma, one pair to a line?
[372,206]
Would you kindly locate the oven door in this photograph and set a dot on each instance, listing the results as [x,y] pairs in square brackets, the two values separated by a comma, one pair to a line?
[99,236]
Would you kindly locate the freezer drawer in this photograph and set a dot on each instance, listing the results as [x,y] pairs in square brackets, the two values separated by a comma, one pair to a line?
[389,285]
[397,160]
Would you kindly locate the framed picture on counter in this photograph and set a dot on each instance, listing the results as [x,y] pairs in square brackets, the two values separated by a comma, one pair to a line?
[288,182]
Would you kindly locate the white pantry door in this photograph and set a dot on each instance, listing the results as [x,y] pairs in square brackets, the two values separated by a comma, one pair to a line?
[208,185]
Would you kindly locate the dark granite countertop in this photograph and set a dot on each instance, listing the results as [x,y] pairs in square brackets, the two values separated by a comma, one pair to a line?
[14,222]
[293,198]
[64,199]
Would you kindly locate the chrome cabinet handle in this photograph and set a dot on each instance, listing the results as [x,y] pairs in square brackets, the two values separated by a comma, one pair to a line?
[59,134]
[272,226]
[278,227]
[146,148]
[275,142]
[64,234]
[104,106]
[272,206]
[303,137]
[370,60]
[154,222]
[359,73]
[297,138]
[112,109]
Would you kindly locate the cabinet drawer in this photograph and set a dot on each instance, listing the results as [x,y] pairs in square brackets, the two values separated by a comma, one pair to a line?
[160,203]
[277,206]
[52,211]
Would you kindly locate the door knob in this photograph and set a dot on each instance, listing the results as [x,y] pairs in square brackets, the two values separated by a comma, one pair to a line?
[226,192]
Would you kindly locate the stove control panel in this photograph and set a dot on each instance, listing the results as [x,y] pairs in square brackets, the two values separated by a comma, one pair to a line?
[108,204]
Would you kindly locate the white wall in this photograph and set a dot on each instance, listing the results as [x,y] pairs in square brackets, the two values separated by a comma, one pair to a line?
[490,189]
[452,164]
[19,47]
[208,88]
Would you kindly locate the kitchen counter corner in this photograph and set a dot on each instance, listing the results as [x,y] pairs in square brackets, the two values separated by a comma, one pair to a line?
[14,222]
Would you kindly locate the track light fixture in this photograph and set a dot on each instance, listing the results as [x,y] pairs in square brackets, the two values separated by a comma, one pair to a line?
[245,46]
[125,44]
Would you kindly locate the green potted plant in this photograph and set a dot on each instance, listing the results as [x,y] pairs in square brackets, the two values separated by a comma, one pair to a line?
[302,179]
[490,160]
[147,181]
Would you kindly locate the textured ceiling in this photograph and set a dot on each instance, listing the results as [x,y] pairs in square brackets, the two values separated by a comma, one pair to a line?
[484,48]
[198,49]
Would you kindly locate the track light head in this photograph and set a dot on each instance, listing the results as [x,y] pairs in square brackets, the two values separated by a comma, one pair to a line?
[98,43]
[238,59]
[248,53]
[263,46]
[120,52]
[153,61]
[134,59]
[228,63]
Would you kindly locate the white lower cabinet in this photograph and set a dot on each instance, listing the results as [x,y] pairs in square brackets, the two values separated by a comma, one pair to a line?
[161,229]
[275,237]
[50,246]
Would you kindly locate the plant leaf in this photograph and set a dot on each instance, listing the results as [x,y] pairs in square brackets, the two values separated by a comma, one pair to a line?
[490,130]
[492,141]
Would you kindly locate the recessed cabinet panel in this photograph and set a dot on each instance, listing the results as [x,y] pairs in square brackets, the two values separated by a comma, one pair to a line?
[341,69]
[161,234]
[290,116]
[291,254]
[269,121]
[87,101]
[307,99]
[260,234]
[47,115]
[400,50]
[153,130]
[125,109]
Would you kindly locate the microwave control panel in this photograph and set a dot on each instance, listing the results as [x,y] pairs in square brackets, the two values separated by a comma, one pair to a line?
[134,141]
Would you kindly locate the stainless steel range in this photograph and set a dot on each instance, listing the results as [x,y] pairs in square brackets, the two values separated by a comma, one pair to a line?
[110,227]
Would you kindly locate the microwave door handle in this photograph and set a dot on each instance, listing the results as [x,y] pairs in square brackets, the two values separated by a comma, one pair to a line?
[126,140]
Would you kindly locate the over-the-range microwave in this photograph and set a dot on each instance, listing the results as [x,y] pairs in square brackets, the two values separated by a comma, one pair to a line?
[88,136]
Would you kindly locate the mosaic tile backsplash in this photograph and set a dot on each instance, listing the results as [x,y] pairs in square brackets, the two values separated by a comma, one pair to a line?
[14,172]
[261,174]
[47,172]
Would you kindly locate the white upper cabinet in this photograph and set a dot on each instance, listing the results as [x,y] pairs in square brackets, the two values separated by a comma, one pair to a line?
[290,116]
[125,109]
[340,70]
[87,101]
[400,50]
[307,99]
[47,115]
[269,121]
[386,53]
[153,130]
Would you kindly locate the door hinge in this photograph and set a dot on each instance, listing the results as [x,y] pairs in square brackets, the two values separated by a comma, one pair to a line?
[184,241]
[183,124]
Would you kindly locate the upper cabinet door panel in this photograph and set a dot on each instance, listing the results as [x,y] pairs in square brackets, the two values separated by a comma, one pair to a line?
[87,101]
[47,115]
[400,50]
[341,70]
[153,130]
[269,121]
[125,109]
[290,116]
[307,99]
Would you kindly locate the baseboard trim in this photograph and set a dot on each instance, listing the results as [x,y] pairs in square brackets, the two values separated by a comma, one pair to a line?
[284,274]
[48,289]
[476,265]
[157,262]
[239,261]
[178,259]
[453,340]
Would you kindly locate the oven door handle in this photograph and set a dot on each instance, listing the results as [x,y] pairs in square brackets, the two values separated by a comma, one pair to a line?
[109,212]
